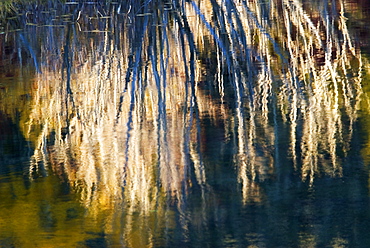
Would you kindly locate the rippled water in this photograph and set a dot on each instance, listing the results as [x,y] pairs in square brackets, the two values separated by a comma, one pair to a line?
[188,124]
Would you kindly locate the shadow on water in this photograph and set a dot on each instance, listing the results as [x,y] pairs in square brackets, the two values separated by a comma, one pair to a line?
[187,123]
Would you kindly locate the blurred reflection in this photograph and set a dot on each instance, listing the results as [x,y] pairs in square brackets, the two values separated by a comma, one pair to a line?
[124,97]
[119,117]
[303,68]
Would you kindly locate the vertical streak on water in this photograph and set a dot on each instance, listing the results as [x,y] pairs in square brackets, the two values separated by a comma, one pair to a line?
[313,88]
[292,88]
[67,65]
[187,110]
[350,90]
[332,100]
[168,167]
[134,83]
[161,120]
[348,93]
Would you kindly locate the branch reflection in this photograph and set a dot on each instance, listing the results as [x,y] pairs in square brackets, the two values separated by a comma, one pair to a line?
[122,114]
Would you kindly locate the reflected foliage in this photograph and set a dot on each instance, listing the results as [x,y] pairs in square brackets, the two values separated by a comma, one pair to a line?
[174,120]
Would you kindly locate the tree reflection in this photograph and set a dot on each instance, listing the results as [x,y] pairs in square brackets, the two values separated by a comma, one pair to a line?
[121,102]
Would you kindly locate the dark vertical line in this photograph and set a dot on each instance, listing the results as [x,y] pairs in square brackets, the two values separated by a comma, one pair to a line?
[31,51]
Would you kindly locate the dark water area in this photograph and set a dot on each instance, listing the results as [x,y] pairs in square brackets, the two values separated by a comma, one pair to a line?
[185,124]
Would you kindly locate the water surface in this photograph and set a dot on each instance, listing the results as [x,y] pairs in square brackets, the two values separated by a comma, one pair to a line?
[185,123]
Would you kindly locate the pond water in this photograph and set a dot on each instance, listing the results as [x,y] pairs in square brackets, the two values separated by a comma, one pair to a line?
[185,124]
